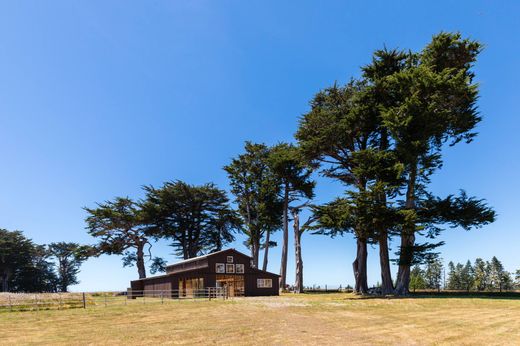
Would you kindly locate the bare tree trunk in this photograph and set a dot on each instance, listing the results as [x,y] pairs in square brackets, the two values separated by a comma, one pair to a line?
[140,261]
[185,253]
[387,286]
[360,267]
[255,250]
[285,241]
[407,239]
[298,282]
[266,250]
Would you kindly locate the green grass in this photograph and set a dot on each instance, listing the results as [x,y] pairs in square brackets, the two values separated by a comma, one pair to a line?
[287,320]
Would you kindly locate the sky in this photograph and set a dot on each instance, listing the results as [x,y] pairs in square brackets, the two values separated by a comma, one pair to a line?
[98,98]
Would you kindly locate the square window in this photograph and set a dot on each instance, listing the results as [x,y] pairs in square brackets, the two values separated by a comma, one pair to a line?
[240,268]
[230,268]
[229,259]
[220,268]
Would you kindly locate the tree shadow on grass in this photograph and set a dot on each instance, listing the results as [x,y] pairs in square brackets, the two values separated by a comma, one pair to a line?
[451,294]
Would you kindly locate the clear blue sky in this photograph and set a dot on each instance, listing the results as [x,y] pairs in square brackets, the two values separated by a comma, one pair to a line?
[100,97]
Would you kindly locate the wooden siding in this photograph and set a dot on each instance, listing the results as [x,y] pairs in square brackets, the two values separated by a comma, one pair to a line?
[186,266]
[206,268]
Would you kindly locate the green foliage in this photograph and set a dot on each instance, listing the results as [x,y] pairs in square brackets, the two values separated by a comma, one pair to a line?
[257,194]
[120,225]
[69,257]
[289,168]
[482,276]
[24,266]
[417,278]
[433,273]
[158,265]
[198,219]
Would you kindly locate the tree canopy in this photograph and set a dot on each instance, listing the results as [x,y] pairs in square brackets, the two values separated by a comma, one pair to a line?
[198,219]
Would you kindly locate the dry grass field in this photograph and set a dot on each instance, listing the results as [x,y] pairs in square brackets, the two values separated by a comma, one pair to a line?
[311,319]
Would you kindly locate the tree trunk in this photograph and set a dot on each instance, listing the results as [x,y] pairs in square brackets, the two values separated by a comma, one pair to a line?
[360,267]
[298,282]
[407,239]
[255,250]
[185,253]
[285,241]
[140,261]
[266,250]
[5,283]
[387,286]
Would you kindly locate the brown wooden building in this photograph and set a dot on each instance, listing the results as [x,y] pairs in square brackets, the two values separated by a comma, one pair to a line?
[227,268]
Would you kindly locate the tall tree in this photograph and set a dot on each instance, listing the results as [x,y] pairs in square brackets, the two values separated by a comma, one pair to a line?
[387,171]
[433,273]
[14,253]
[24,266]
[121,228]
[481,278]
[294,175]
[342,134]
[417,279]
[298,232]
[435,105]
[335,133]
[198,219]
[496,274]
[467,277]
[256,191]
[454,281]
[69,257]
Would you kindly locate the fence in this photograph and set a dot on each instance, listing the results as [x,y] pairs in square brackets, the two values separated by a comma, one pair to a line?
[61,301]
[325,289]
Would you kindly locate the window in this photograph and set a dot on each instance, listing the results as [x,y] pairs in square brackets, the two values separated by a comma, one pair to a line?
[230,268]
[264,283]
[240,268]
[220,268]
[229,259]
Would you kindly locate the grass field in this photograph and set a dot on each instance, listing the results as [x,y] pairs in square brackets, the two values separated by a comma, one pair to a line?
[286,320]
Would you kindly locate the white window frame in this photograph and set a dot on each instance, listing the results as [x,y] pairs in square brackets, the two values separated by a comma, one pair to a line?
[229,259]
[238,265]
[222,265]
[264,283]
[230,265]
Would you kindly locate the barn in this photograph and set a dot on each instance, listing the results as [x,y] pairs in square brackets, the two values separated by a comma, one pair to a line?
[227,268]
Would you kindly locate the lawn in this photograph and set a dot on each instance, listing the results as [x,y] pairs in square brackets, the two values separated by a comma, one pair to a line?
[286,320]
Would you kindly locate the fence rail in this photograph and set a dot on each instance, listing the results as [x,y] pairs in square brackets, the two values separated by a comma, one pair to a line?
[61,301]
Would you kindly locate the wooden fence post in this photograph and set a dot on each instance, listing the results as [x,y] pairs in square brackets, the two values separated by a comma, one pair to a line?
[84,301]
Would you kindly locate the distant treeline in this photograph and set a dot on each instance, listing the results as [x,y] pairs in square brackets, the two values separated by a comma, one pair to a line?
[481,276]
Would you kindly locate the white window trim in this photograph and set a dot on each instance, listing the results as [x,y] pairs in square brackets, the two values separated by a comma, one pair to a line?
[230,271]
[264,283]
[217,270]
